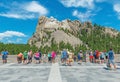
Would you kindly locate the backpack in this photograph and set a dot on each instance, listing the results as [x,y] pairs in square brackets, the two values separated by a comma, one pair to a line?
[5,53]
[40,54]
[111,55]
[64,53]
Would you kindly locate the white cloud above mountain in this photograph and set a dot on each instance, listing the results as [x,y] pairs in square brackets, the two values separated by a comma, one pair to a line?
[116,8]
[35,8]
[10,34]
[78,3]
[88,5]
[26,10]
[83,16]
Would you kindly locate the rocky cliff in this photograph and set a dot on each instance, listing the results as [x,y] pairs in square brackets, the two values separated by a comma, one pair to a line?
[50,30]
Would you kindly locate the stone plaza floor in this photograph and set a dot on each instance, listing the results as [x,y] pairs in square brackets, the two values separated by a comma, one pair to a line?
[47,72]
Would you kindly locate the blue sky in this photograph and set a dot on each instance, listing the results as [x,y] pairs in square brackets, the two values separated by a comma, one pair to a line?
[18,18]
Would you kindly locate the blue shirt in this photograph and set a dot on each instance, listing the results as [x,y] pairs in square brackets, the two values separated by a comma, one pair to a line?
[111,55]
[64,54]
[5,53]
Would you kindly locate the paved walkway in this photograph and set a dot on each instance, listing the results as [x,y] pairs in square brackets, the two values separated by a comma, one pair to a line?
[46,72]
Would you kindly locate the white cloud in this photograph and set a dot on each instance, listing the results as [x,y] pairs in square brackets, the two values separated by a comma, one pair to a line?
[9,34]
[36,8]
[17,16]
[78,3]
[89,5]
[83,16]
[116,8]
[28,10]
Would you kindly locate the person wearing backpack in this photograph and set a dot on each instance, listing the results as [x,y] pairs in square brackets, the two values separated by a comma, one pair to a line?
[111,59]
[4,56]
[64,57]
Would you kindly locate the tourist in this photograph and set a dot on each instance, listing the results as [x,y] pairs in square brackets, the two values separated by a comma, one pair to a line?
[40,54]
[102,57]
[94,56]
[30,56]
[37,57]
[91,57]
[80,57]
[53,55]
[111,58]
[97,56]
[49,57]
[70,61]
[106,56]
[44,58]
[4,56]
[25,56]
[75,58]
[64,57]
[19,57]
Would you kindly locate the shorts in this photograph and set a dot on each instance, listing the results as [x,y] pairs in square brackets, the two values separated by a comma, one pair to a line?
[112,62]
[101,58]
[4,57]
[37,58]
[64,59]
[49,58]
[96,57]
[106,57]
[29,58]
[25,58]
[70,60]
[80,58]
[19,58]
[91,57]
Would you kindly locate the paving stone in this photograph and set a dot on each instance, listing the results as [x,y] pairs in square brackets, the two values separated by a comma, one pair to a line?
[87,72]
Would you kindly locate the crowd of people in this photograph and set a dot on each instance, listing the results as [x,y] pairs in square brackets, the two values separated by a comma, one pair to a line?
[27,57]
[67,57]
